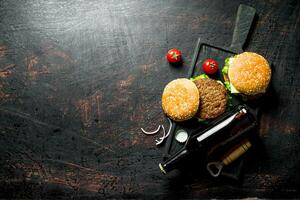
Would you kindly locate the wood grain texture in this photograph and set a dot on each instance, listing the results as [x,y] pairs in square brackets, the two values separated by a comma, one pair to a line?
[79,78]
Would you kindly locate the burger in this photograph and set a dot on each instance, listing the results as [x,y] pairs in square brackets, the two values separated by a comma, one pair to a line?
[248,74]
[200,97]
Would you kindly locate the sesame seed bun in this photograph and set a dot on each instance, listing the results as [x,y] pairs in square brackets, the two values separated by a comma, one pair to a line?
[180,99]
[249,73]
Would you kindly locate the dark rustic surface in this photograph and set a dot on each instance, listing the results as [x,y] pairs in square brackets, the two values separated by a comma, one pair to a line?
[79,78]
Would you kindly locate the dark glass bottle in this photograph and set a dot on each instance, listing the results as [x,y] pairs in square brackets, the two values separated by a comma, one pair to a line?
[232,124]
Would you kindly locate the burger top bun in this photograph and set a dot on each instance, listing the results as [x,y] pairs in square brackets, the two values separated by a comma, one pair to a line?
[249,73]
[180,99]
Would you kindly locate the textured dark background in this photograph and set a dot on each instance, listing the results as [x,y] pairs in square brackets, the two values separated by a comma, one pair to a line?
[79,78]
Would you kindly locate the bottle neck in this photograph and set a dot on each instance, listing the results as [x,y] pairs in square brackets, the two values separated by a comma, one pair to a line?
[172,162]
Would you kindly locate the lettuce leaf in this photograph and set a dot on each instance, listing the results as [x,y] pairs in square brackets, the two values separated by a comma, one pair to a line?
[225,70]
[229,103]
[227,85]
[199,77]
[226,66]
[202,120]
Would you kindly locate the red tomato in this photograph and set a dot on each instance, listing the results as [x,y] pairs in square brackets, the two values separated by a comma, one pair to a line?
[210,66]
[173,55]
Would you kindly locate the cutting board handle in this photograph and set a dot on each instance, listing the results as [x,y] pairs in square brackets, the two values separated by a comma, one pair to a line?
[244,19]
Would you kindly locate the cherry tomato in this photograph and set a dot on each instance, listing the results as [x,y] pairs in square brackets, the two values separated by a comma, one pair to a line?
[173,55]
[210,66]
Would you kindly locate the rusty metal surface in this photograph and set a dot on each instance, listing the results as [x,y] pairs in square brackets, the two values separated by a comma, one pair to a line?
[79,78]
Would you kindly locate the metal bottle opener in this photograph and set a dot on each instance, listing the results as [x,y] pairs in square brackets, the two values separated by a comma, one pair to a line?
[215,168]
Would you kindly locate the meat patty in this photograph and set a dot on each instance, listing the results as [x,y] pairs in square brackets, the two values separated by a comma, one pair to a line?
[213,98]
